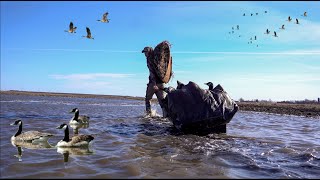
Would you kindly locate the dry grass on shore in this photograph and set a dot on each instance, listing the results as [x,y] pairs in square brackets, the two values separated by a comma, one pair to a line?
[308,110]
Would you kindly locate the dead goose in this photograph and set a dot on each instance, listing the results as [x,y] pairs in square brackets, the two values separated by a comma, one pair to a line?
[104,18]
[71,28]
[77,119]
[75,141]
[88,34]
[210,85]
[30,136]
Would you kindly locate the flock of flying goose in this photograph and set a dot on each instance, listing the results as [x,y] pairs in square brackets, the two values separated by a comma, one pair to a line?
[267,31]
[42,137]
[72,29]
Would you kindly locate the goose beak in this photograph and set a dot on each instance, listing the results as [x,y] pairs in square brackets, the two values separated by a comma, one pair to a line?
[58,127]
[12,124]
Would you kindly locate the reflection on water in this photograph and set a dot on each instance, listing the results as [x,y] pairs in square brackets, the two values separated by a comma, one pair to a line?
[29,145]
[129,145]
[78,151]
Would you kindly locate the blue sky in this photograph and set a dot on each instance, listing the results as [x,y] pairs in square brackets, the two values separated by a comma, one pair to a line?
[37,55]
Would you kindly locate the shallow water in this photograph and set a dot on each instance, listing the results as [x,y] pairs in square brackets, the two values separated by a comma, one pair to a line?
[129,145]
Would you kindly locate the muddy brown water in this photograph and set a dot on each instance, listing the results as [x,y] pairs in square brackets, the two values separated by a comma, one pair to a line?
[129,145]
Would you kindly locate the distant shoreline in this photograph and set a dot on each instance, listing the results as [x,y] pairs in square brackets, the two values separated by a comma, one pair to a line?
[307,109]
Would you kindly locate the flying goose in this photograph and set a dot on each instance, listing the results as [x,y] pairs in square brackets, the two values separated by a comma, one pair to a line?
[104,18]
[75,141]
[71,28]
[30,136]
[275,34]
[77,119]
[267,31]
[297,21]
[210,85]
[282,27]
[88,34]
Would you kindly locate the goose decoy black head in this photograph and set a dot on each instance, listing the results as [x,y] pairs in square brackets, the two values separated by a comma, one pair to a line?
[210,84]
[179,85]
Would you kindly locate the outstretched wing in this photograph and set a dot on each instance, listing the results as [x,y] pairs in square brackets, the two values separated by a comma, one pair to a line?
[88,31]
[71,26]
[105,16]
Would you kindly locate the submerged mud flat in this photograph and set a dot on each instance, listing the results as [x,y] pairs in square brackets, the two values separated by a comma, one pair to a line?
[129,145]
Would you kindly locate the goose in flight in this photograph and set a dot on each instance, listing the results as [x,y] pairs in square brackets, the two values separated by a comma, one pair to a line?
[275,34]
[282,27]
[289,19]
[104,18]
[297,21]
[88,34]
[267,32]
[71,28]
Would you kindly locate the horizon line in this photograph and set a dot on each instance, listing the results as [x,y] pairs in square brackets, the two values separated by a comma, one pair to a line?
[180,52]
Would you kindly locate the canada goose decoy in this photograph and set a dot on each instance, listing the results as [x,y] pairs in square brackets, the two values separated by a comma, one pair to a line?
[179,85]
[73,151]
[282,27]
[29,136]
[251,14]
[255,37]
[289,19]
[104,18]
[297,21]
[257,14]
[244,14]
[275,34]
[210,85]
[265,11]
[237,27]
[304,14]
[76,141]
[88,34]
[77,119]
[267,31]
[71,28]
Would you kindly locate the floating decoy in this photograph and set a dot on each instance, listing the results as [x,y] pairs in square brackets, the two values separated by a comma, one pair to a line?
[104,18]
[88,34]
[265,11]
[256,13]
[29,136]
[78,119]
[255,37]
[71,28]
[237,27]
[275,34]
[244,14]
[289,19]
[76,141]
[251,14]
[282,27]
[297,21]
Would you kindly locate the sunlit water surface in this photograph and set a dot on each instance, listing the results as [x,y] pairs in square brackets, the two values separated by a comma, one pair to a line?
[129,145]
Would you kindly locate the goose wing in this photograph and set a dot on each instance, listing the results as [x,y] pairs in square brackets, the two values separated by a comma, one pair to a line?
[32,135]
[105,16]
[81,140]
[88,31]
[71,26]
